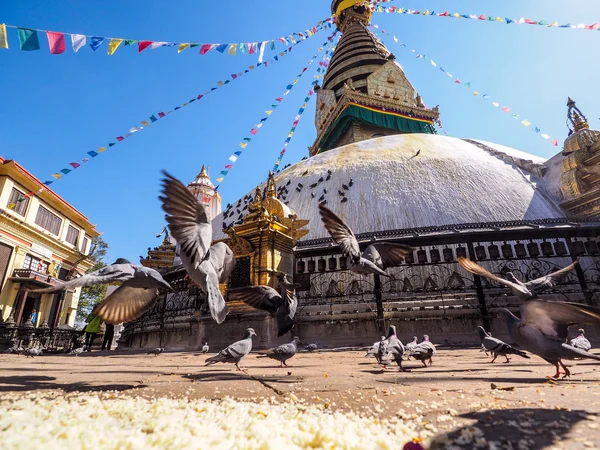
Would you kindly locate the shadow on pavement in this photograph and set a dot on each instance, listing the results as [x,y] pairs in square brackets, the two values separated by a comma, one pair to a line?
[34,383]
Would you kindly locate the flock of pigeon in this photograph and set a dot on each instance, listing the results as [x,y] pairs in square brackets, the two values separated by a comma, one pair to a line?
[541,330]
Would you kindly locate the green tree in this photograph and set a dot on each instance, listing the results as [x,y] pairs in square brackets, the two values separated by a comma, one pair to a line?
[92,295]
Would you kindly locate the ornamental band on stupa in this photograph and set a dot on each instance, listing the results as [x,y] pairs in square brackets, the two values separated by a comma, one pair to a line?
[378,163]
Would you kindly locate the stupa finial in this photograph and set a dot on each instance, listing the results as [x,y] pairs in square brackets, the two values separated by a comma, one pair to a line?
[575,118]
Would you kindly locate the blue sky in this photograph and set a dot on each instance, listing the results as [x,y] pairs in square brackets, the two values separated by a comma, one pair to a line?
[55,108]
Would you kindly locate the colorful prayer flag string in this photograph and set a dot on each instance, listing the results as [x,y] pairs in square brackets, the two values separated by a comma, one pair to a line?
[526,123]
[246,140]
[484,17]
[156,117]
[323,63]
[28,40]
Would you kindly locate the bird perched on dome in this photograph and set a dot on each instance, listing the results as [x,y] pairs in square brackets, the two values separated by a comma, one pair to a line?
[496,347]
[375,259]
[235,352]
[543,329]
[136,294]
[523,291]
[281,304]
[207,265]
[581,342]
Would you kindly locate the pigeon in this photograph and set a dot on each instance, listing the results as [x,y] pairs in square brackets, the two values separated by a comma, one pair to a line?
[341,193]
[205,348]
[345,187]
[31,352]
[416,154]
[207,265]
[282,304]
[78,351]
[344,200]
[314,185]
[322,197]
[424,351]
[136,294]
[320,180]
[523,291]
[375,259]
[312,194]
[351,182]
[305,173]
[497,347]
[373,351]
[235,352]
[325,191]
[543,328]
[391,348]
[311,347]
[581,342]
[411,346]
[328,177]
[300,185]
[281,353]
[156,351]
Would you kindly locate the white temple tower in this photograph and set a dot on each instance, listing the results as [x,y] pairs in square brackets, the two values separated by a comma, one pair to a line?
[204,191]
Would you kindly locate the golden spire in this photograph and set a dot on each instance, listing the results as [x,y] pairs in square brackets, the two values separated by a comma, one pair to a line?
[575,116]
[203,173]
[271,188]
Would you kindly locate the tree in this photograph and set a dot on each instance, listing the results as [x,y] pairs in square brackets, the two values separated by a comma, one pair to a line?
[92,295]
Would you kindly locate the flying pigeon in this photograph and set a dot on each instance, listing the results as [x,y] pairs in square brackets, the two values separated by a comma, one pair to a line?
[523,291]
[137,292]
[497,347]
[543,329]
[424,351]
[205,348]
[206,265]
[375,259]
[581,342]
[282,304]
[311,347]
[393,348]
[281,353]
[156,351]
[235,352]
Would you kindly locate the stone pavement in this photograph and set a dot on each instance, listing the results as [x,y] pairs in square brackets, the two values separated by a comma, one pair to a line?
[512,403]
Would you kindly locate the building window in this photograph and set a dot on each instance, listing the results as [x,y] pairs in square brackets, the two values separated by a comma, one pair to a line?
[48,221]
[17,202]
[72,235]
[84,246]
[35,264]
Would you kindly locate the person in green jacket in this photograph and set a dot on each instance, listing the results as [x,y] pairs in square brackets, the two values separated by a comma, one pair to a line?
[91,330]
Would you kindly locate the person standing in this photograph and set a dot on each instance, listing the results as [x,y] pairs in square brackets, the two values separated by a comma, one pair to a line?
[91,330]
[33,316]
[109,333]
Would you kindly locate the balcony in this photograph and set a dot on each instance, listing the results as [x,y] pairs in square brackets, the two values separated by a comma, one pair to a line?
[35,277]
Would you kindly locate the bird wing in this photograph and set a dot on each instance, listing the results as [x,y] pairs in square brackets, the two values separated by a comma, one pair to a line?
[222,259]
[125,304]
[109,274]
[210,281]
[538,285]
[287,313]
[476,269]
[187,220]
[340,232]
[390,254]
[238,349]
[259,297]
[554,318]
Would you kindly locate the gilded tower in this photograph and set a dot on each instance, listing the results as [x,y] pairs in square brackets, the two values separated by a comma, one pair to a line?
[365,92]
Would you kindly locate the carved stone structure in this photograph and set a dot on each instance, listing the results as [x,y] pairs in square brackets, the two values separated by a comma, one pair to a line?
[161,257]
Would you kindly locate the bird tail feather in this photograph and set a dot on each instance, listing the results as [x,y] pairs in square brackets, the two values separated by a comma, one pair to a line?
[582,353]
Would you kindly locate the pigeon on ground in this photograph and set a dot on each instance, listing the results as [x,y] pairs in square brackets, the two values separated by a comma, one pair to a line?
[136,294]
[424,351]
[281,353]
[543,329]
[523,291]
[78,351]
[410,347]
[311,347]
[235,352]
[581,342]
[391,348]
[375,259]
[205,348]
[156,351]
[282,304]
[497,347]
[31,352]
[373,351]
[206,265]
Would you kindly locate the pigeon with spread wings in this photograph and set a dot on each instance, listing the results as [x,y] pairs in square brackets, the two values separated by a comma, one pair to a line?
[523,291]
[206,265]
[137,292]
[282,304]
[375,259]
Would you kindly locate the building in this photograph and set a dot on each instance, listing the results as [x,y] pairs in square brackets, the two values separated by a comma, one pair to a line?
[43,241]
[378,163]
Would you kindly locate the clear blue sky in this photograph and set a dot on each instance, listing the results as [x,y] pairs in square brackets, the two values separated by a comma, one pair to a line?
[55,108]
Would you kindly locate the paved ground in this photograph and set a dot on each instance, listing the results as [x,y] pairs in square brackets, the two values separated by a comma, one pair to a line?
[511,403]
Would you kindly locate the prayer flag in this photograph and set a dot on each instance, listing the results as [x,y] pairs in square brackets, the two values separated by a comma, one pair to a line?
[251,48]
[224,172]
[101,149]
[475,93]
[506,109]
[162,114]
[536,130]
[253,131]
[555,142]
[261,52]
[496,104]
[269,112]
[77,41]
[153,118]
[74,165]
[243,48]
[433,63]
[28,39]
[119,138]
[145,123]
[219,83]
[232,49]
[3,40]
[130,42]
[57,175]
[56,42]
[221,48]
[238,153]
[96,42]
[233,158]
[182,47]
[206,48]
[155,45]
[526,122]
[243,144]
[11,205]
[143,45]
[65,171]
[218,180]
[545,136]
[113,45]
[229,166]
[93,154]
